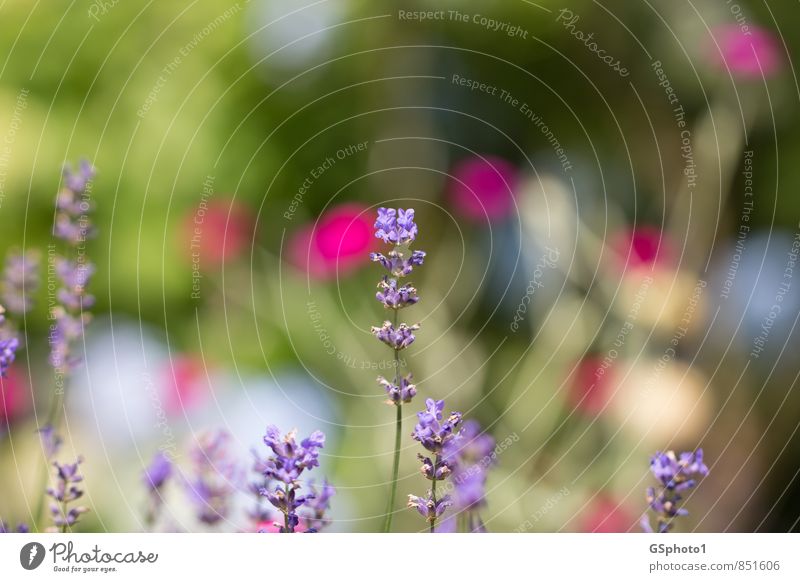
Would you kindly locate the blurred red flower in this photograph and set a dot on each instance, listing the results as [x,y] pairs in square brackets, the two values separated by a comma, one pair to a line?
[338,243]
[483,188]
[746,53]
[218,231]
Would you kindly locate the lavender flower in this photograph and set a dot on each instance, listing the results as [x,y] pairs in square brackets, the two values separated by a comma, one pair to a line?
[396,337]
[214,476]
[21,528]
[51,442]
[432,432]
[676,475]
[66,491]
[470,457]
[288,461]
[75,276]
[157,472]
[437,436]
[20,281]
[397,263]
[72,225]
[394,297]
[8,352]
[318,504]
[403,392]
[429,507]
[396,227]
[73,205]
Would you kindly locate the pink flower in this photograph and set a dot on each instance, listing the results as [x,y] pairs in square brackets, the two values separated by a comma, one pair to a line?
[605,515]
[590,386]
[643,247]
[218,231]
[185,385]
[483,189]
[746,53]
[13,400]
[337,244]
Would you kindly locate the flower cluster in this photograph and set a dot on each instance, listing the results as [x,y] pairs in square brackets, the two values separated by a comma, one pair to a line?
[470,457]
[73,205]
[676,474]
[437,435]
[8,349]
[318,505]
[403,392]
[287,463]
[20,281]
[73,226]
[66,491]
[396,337]
[214,476]
[396,227]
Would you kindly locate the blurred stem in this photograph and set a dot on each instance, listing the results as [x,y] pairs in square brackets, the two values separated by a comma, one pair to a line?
[436,460]
[56,404]
[387,524]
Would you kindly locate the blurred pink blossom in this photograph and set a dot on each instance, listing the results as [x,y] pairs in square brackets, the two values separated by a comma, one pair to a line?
[13,396]
[643,247]
[184,383]
[218,231]
[483,189]
[590,385]
[338,243]
[745,55]
[605,515]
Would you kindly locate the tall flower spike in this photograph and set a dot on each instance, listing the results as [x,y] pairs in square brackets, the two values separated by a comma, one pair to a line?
[318,505]
[438,436]
[155,476]
[396,227]
[66,491]
[72,225]
[215,476]
[676,474]
[288,462]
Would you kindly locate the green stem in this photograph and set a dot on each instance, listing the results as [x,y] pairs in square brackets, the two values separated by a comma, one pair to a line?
[387,523]
[436,461]
[52,416]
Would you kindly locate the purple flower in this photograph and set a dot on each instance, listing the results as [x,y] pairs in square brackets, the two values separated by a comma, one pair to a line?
[73,206]
[215,476]
[398,262]
[77,181]
[20,281]
[470,456]
[51,442]
[676,474]
[288,461]
[437,436]
[395,227]
[396,338]
[21,528]
[429,507]
[157,472]
[433,433]
[64,334]
[394,297]
[75,276]
[8,352]
[65,491]
[318,504]
[402,393]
